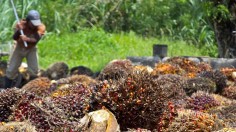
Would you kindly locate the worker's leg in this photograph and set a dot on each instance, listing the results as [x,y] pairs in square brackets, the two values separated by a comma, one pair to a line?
[32,61]
[13,65]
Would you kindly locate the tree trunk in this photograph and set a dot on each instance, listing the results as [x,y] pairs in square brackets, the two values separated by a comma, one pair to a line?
[224,38]
[223,29]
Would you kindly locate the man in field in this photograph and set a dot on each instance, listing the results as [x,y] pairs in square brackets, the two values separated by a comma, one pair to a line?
[33,30]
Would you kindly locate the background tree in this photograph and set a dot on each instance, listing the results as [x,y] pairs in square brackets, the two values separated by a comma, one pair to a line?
[221,15]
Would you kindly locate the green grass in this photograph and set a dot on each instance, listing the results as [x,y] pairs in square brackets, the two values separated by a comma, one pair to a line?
[94,48]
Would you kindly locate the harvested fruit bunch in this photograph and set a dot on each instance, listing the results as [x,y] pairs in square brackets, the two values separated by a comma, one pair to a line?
[43,114]
[227,114]
[74,101]
[189,120]
[217,76]
[167,116]
[183,62]
[191,68]
[139,100]
[116,69]
[75,79]
[228,72]
[56,71]
[172,86]
[200,84]
[229,92]
[8,98]
[166,68]
[202,101]
[40,86]
[223,100]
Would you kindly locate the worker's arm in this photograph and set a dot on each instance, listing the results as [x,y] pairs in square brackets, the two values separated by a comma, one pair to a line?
[16,35]
[34,38]
[19,26]
[30,40]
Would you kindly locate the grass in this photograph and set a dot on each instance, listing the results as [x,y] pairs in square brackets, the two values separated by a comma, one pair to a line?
[94,48]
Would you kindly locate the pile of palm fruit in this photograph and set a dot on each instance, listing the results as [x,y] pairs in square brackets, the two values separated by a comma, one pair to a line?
[175,95]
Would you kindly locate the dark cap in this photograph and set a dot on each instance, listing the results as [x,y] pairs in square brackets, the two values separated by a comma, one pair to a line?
[34,17]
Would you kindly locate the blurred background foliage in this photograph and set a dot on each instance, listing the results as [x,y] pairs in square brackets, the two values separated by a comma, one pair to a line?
[178,19]
[190,21]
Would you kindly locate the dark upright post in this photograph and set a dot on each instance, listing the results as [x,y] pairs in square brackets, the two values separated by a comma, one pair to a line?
[160,50]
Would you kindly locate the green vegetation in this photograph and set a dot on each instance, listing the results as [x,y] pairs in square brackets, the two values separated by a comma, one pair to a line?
[94,48]
[178,19]
[94,32]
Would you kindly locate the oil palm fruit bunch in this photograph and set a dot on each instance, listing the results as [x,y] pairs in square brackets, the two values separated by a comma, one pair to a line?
[224,101]
[194,121]
[201,101]
[8,98]
[204,66]
[190,67]
[42,113]
[199,84]
[167,117]
[74,79]
[40,86]
[229,73]
[56,71]
[227,114]
[166,68]
[74,101]
[137,101]
[217,76]
[27,110]
[116,69]
[81,70]
[229,92]
[172,86]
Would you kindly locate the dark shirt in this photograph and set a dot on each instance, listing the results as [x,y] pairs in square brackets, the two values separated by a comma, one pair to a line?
[34,35]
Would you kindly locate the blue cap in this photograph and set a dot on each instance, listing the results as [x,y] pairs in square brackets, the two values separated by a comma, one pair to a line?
[34,17]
